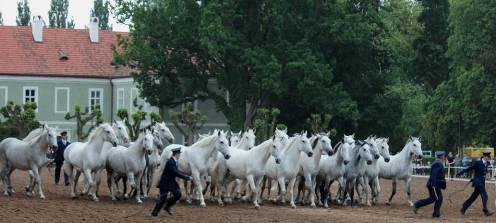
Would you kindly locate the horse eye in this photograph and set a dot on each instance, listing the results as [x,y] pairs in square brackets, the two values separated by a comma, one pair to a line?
[108,131]
[364,149]
[383,147]
[120,127]
[222,142]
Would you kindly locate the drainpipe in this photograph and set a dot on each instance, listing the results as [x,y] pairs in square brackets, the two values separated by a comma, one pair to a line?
[111,99]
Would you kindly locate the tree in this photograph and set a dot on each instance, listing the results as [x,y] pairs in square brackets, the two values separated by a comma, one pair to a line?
[23,13]
[1,19]
[431,62]
[461,110]
[101,10]
[137,118]
[82,118]
[192,121]
[57,15]
[19,120]
[71,24]
[265,123]
[319,123]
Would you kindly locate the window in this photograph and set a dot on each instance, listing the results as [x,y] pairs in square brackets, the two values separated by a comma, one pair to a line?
[4,95]
[61,100]
[95,98]
[30,94]
[120,98]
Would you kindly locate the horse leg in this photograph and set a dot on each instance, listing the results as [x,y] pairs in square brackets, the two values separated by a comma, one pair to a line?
[109,184]
[408,192]
[150,173]
[251,181]
[97,181]
[366,190]
[91,184]
[8,179]
[351,191]
[291,191]
[136,180]
[359,183]
[198,187]
[282,187]
[393,191]
[36,174]
[312,192]
[377,189]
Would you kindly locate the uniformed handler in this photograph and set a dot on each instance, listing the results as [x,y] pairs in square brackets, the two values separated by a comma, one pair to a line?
[168,184]
[435,184]
[478,183]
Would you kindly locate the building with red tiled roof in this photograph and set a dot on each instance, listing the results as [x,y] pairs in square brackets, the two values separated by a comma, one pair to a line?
[61,68]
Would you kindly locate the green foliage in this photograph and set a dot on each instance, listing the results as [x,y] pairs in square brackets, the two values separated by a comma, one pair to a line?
[23,17]
[18,120]
[57,15]
[319,123]
[93,118]
[188,121]
[134,123]
[266,123]
[101,10]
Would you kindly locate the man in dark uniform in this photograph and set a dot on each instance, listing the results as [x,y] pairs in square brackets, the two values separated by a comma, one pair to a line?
[478,183]
[59,157]
[168,184]
[435,184]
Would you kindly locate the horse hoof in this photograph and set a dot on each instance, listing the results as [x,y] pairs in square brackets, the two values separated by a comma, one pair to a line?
[257,206]
[114,199]
[410,203]
[203,205]
[140,202]
[221,204]
[74,197]
[293,206]
[29,194]
[27,189]
[42,197]
[313,206]
[388,203]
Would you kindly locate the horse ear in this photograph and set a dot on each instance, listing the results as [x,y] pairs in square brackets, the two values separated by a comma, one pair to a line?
[124,120]
[239,133]
[45,126]
[285,131]
[218,133]
[328,134]
[231,132]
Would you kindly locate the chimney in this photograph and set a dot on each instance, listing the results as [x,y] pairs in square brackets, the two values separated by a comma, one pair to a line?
[94,30]
[37,28]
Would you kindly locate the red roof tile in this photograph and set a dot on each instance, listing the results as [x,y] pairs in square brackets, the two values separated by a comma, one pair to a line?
[20,55]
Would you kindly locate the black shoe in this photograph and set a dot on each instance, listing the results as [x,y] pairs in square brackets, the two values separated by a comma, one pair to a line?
[154,213]
[66,183]
[463,211]
[488,213]
[436,216]
[57,183]
[167,209]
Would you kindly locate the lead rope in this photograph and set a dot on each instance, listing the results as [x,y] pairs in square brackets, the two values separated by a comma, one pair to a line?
[458,191]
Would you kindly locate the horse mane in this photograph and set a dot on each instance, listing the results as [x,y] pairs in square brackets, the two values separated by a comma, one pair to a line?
[314,140]
[34,135]
[205,141]
[93,132]
[292,140]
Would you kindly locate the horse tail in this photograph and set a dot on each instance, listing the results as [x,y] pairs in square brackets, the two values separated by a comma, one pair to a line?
[3,158]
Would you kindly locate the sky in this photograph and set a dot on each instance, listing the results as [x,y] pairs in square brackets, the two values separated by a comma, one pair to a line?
[79,9]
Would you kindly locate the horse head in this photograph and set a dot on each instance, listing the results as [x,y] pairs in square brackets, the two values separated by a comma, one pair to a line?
[222,145]
[383,145]
[250,137]
[108,133]
[148,141]
[415,147]
[364,151]
[51,135]
[275,150]
[164,132]
[120,130]
[374,148]
[325,142]
[304,144]
[282,136]
[234,138]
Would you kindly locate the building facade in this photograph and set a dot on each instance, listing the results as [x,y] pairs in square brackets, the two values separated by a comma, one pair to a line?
[59,68]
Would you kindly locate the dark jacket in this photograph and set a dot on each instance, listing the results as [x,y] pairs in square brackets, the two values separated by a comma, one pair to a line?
[480,170]
[168,179]
[59,154]
[436,178]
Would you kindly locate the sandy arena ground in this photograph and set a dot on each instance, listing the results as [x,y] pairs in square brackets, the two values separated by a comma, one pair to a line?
[59,207]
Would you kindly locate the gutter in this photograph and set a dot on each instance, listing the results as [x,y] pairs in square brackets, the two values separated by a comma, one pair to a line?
[111,99]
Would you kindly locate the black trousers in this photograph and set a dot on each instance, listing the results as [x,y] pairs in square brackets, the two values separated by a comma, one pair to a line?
[438,201]
[176,195]
[478,190]
[58,167]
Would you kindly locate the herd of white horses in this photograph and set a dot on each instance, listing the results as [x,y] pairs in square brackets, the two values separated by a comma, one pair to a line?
[230,164]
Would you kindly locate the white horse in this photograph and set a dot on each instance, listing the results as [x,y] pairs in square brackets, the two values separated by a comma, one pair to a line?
[401,166]
[17,154]
[332,168]
[130,162]
[247,165]
[380,148]
[309,166]
[194,159]
[361,158]
[245,142]
[290,165]
[123,139]
[88,158]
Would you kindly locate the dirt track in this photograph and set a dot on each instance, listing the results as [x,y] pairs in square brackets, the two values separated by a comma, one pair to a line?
[59,207]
